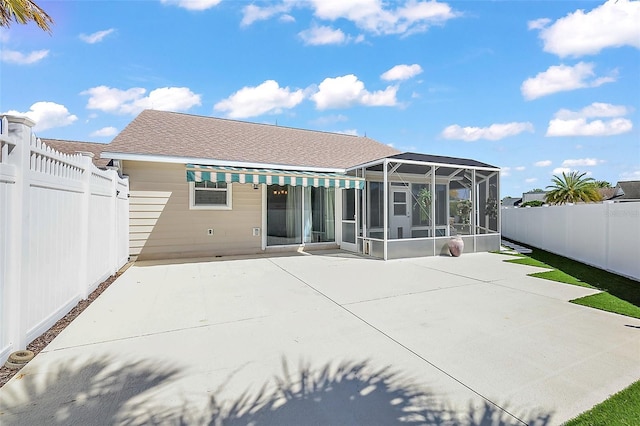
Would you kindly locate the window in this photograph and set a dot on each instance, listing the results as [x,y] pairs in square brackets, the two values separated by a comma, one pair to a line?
[210,195]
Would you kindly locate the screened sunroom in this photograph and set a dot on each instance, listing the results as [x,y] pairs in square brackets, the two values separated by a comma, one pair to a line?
[412,204]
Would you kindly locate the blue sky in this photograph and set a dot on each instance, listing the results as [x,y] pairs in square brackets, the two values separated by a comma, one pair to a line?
[535,87]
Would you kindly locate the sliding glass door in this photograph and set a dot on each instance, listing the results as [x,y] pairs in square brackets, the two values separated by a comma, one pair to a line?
[284,221]
[300,214]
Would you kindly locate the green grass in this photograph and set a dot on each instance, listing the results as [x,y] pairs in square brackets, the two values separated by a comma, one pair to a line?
[620,295]
[622,409]
[609,303]
[529,261]
[560,277]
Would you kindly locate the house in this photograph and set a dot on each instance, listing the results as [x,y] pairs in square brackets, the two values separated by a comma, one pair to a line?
[511,201]
[627,191]
[203,186]
[73,147]
[536,195]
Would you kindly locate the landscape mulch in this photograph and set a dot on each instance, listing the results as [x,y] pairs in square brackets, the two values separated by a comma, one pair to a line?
[43,340]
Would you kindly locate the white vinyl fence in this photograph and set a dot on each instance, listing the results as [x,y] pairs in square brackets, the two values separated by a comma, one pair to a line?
[604,235]
[63,230]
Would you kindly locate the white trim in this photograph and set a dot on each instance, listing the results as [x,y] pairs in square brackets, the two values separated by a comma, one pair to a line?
[213,162]
[420,163]
[263,191]
[192,205]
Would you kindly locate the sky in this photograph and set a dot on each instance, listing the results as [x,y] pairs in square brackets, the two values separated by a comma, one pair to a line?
[535,87]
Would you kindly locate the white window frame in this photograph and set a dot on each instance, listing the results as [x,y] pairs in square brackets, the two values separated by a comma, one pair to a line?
[192,198]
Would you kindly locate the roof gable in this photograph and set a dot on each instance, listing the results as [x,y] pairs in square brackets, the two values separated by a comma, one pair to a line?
[162,133]
[73,147]
[630,189]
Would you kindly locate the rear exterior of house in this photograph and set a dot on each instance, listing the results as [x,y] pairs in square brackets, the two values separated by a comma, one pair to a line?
[203,187]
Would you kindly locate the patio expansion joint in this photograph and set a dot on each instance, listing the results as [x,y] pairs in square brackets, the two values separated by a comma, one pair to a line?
[408,349]
[408,294]
[156,333]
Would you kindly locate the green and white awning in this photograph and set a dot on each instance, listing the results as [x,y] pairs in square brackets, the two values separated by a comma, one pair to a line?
[197,173]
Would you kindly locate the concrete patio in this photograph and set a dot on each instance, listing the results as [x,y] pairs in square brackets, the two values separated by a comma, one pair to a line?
[328,338]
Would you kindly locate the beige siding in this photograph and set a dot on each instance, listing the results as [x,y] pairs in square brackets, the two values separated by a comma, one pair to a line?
[162,226]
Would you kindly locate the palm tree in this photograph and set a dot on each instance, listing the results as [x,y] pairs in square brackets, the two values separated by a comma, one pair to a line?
[572,188]
[23,11]
[601,184]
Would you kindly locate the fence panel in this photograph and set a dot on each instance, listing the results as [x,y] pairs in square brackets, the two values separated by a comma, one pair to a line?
[60,232]
[7,188]
[604,235]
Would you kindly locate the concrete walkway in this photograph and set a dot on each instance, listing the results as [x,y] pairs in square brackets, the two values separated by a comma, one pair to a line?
[329,338]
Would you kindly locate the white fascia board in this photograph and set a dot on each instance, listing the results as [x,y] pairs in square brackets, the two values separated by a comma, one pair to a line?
[213,162]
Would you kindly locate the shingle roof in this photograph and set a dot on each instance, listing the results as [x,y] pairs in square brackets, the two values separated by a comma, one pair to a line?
[630,188]
[73,147]
[427,158]
[183,135]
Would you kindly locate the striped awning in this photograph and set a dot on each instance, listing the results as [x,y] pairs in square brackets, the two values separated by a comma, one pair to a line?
[197,173]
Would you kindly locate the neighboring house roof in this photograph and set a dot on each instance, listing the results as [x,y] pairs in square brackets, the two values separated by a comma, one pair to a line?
[510,201]
[628,190]
[607,193]
[73,147]
[533,196]
[171,134]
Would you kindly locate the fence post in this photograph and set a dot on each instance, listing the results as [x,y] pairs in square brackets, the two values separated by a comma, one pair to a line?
[18,234]
[83,272]
[113,235]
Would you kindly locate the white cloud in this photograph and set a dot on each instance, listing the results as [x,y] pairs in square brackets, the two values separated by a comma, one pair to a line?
[370,15]
[494,132]
[561,170]
[520,168]
[531,180]
[105,132]
[322,35]
[47,115]
[252,13]
[267,97]
[612,24]
[543,163]
[584,162]
[574,123]
[401,72]
[96,37]
[596,109]
[132,101]
[286,18]
[560,78]
[352,132]
[505,171]
[345,91]
[580,127]
[193,4]
[633,175]
[538,24]
[15,57]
